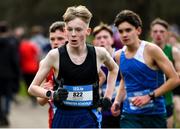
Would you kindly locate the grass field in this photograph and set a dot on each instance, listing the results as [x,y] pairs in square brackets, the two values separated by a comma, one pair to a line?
[23,89]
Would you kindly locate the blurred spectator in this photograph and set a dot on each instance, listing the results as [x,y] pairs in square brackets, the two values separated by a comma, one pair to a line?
[29,58]
[173,39]
[9,71]
[38,38]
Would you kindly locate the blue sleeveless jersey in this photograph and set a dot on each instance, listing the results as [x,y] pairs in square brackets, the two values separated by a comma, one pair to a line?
[140,80]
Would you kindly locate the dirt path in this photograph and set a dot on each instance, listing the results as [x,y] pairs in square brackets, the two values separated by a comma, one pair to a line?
[24,115]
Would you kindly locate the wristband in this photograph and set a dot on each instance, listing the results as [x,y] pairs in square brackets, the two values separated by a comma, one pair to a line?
[49,94]
[152,95]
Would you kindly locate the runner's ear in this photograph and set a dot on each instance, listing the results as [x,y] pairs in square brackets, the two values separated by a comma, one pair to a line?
[139,30]
[88,31]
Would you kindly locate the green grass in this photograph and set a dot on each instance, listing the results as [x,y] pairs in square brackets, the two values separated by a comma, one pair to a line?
[23,89]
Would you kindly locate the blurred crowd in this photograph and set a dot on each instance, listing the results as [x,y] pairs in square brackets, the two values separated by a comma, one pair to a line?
[20,55]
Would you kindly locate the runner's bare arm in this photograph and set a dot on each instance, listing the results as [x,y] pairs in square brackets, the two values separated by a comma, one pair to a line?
[105,58]
[166,66]
[176,57]
[102,77]
[49,62]
[121,90]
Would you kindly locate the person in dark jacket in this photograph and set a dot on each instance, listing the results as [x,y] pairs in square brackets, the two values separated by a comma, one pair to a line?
[9,71]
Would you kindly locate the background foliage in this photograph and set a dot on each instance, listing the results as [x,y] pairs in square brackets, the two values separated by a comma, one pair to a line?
[44,12]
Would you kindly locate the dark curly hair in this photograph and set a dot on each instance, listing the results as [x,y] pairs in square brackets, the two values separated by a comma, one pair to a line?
[128,16]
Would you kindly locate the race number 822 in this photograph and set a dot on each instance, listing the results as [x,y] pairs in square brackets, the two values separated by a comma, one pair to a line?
[77,94]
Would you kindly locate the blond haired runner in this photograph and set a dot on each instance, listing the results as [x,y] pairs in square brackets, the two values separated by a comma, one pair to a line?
[76,65]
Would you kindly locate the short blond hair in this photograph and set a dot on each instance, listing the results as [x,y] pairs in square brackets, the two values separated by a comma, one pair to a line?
[77,12]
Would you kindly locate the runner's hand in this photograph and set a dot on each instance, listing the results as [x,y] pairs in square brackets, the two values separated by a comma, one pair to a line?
[60,94]
[106,104]
[115,109]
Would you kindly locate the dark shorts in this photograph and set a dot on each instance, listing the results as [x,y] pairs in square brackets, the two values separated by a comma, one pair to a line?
[142,121]
[176,91]
[169,110]
[81,118]
[109,121]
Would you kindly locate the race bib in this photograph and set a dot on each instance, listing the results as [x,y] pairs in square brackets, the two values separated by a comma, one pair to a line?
[140,93]
[79,96]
